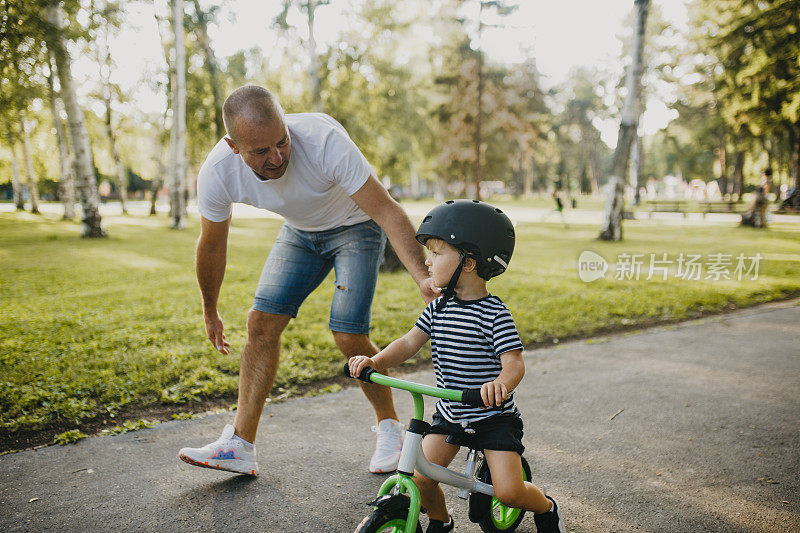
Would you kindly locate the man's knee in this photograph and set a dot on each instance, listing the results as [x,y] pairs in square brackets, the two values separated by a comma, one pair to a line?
[352,344]
[265,326]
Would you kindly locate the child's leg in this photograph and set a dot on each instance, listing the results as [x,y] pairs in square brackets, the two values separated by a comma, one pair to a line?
[509,488]
[439,452]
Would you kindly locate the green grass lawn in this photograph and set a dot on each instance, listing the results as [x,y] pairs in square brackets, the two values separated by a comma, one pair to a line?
[94,327]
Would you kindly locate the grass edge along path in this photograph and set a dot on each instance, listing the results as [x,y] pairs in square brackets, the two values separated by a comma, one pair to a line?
[105,332]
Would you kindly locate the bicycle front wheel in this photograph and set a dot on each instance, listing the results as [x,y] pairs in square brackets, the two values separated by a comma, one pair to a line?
[388,518]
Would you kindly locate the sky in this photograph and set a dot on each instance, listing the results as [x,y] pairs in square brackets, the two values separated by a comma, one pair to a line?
[560,36]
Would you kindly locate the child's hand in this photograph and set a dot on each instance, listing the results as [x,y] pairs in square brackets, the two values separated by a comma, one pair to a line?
[493,393]
[359,363]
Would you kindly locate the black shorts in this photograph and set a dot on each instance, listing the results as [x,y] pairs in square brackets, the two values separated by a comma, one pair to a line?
[499,432]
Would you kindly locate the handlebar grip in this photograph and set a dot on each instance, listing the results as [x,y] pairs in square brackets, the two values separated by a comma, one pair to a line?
[472,397]
[364,376]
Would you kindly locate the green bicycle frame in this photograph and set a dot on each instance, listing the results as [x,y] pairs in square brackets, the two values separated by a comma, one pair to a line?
[417,390]
[404,483]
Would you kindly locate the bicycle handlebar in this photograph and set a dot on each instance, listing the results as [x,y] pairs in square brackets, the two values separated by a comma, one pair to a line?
[471,397]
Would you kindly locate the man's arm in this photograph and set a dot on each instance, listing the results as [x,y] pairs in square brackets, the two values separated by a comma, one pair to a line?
[375,201]
[210,259]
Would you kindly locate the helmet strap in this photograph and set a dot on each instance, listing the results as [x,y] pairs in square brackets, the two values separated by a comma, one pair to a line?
[450,290]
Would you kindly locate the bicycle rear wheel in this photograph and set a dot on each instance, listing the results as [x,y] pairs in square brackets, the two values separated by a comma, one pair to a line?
[491,515]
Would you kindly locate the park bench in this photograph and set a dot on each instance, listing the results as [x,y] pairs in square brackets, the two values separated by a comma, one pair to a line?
[667,206]
[721,206]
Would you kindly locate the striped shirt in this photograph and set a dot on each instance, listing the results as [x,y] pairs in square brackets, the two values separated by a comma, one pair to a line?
[467,340]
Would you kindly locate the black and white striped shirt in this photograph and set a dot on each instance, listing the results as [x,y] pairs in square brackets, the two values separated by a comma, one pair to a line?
[467,340]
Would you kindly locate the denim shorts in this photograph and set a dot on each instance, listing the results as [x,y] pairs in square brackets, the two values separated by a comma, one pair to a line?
[300,260]
[498,432]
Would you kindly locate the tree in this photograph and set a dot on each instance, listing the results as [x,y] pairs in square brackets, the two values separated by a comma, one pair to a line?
[16,179]
[84,167]
[309,7]
[66,181]
[502,8]
[102,22]
[379,101]
[177,188]
[525,120]
[163,172]
[19,55]
[578,139]
[33,190]
[212,66]
[612,228]
[757,45]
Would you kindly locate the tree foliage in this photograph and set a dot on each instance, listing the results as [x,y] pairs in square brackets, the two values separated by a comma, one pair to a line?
[428,106]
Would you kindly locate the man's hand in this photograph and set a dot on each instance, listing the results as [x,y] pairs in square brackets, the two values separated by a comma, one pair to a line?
[214,332]
[359,363]
[428,290]
[493,393]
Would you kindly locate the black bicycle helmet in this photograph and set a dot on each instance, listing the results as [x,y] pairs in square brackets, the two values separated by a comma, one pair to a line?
[478,230]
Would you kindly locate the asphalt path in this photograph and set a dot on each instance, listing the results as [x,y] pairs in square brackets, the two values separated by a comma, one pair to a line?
[692,427]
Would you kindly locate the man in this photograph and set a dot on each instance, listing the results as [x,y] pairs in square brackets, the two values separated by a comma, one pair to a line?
[306,168]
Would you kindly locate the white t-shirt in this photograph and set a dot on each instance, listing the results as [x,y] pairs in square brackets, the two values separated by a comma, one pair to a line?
[325,169]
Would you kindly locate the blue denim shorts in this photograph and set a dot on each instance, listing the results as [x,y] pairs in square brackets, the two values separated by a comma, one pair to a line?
[300,260]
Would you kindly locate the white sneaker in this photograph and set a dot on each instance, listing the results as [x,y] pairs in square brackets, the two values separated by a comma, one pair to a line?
[387,449]
[226,453]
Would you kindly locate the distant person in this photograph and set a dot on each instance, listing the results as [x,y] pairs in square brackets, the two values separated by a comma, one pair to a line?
[766,180]
[306,168]
[559,208]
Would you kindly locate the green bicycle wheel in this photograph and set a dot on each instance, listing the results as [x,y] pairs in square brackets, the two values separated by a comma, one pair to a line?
[496,517]
[388,518]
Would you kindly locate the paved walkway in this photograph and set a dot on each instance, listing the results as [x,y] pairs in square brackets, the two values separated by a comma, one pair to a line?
[706,437]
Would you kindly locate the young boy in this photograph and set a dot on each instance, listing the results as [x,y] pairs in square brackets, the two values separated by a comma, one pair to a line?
[475,345]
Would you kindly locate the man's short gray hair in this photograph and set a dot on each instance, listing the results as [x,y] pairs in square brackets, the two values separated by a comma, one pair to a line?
[252,104]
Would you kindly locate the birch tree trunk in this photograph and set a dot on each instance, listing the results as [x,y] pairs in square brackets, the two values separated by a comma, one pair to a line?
[212,66]
[478,173]
[738,174]
[612,229]
[637,168]
[16,179]
[310,8]
[313,60]
[163,172]
[84,168]
[66,182]
[177,190]
[594,164]
[122,177]
[158,179]
[722,159]
[627,127]
[33,189]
